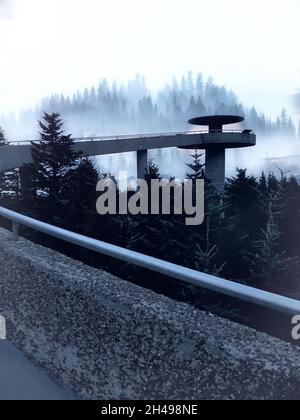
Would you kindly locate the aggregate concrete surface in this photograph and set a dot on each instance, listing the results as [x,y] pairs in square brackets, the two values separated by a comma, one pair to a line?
[105,338]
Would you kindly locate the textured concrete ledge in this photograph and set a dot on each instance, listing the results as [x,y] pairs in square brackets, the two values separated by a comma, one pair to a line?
[105,338]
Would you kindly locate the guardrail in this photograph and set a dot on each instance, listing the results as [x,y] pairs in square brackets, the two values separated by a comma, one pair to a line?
[133,136]
[187,275]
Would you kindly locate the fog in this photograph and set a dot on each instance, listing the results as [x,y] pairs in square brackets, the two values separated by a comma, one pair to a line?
[51,48]
[252,49]
[131,108]
[6,9]
[271,154]
[281,155]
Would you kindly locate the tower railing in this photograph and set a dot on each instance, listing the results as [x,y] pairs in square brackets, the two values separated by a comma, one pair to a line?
[184,274]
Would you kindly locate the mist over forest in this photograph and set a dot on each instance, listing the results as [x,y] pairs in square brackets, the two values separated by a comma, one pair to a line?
[112,109]
[296,101]
[133,108]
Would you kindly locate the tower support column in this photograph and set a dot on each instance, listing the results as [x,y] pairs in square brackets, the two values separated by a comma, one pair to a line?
[215,167]
[27,182]
[142,160]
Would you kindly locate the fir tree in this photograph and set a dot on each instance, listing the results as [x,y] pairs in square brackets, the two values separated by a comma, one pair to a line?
[263,185]
[197,167]
[10,184]
[241,217]
[115,109]
[2,136]
[269,262]
[206,256]
[53,157]
[79,194]
[242,195]
[151,172]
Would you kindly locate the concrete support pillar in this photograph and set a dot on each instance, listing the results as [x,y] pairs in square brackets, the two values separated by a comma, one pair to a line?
[215,167]
[142,159]
[27,182]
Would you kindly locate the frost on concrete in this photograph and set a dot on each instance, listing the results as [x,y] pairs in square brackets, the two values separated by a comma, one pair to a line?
[106,338]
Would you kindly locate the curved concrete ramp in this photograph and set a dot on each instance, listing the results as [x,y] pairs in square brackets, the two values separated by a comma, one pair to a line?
[14,155]
[108,339]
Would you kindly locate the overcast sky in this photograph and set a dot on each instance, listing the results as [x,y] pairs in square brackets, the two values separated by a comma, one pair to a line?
[51,46]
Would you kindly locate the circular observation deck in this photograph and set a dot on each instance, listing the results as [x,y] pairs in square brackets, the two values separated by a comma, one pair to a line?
[216,137]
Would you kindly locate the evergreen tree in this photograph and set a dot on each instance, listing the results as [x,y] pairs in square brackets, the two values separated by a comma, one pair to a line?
[2,136]
[291,128]
[263,185]
[241,203]
[242,196]
[113,109]
[79,194]
[53,157]
[288,217]
[269,262]
[203,248]
[10,184]
[199,84]
[197,167]
[49,174]
[151,172]
[286,124]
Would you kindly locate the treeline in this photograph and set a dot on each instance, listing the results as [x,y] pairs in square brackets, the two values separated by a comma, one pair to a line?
[252,236]
[131,108]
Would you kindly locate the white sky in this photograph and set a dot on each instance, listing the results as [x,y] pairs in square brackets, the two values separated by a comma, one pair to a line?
[49,46]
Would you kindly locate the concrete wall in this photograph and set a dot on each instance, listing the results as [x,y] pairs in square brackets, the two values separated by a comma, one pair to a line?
[106,338]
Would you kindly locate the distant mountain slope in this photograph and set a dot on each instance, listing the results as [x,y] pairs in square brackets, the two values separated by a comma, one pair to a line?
[131,108]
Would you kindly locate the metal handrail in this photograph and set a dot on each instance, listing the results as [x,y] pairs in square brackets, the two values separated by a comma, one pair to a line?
[134,136]
[187,275]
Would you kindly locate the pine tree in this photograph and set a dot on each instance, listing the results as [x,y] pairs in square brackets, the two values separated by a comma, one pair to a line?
[241,218]
[48,176]
[53,158]
[287,127]
[111,110]
[263,185]
[197,167]
[2,136]
[207,256]
[204,251]
[151,172]
[291,127]
[79,194]
[242,194]
[199,84]
[269,262]
[10,184]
